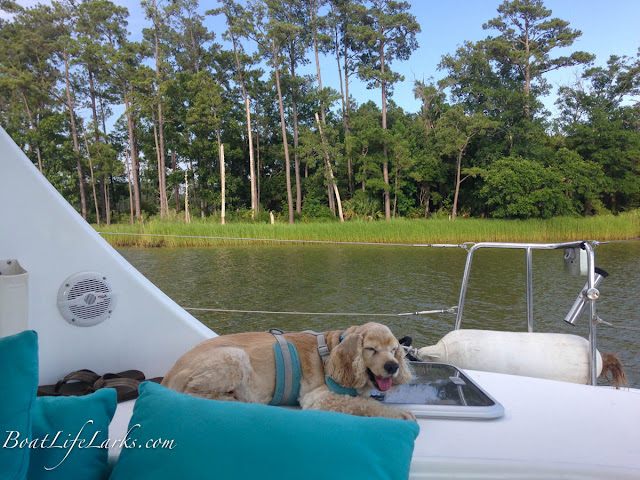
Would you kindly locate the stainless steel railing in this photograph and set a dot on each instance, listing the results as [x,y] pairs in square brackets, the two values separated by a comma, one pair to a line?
[591,293]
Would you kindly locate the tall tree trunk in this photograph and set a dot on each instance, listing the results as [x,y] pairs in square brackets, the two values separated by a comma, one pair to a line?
[255,198]
[425,194]
[103,198]
[330,196]
[128,158]
[32,127]
[176,190]
[74,134]
[96,132]
[193,183]
[346,83]
[342,90]
[332,181]
[284,132]
[222,184]
[156,140]
[345,119]
[39,156]
[395,188]
[258,162]
[347,129]
[164,206]
[187,217]
[93,181]
[296,155]
[314,12]
[364,167]
[110,178]
[385,159]
[107,199]
[134,154]
[527,75]
[455,197]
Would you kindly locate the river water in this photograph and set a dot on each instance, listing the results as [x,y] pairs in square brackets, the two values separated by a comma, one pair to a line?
[389,280]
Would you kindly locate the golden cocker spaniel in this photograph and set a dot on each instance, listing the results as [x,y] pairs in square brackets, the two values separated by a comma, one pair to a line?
[242,367]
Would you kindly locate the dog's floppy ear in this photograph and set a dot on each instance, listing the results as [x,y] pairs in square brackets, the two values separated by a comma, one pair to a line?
[404,373]
[345,364]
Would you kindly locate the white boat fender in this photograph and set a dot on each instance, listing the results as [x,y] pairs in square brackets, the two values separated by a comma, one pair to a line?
[554,356]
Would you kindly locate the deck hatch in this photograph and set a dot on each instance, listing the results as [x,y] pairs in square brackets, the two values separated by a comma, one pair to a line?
[442,390]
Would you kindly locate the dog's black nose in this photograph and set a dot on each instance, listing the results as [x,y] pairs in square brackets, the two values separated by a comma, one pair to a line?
[391,367]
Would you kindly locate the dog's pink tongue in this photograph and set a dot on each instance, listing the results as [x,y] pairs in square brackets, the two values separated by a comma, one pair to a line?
[384,384]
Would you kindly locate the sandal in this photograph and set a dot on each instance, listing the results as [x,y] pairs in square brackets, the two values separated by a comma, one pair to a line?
[75,384]
[83,382]
[126,387]
[132,374]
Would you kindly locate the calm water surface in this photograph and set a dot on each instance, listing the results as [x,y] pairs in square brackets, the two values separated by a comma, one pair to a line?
[390,280]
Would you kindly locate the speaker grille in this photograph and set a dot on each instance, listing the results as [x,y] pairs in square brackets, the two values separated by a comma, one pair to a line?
[86,299]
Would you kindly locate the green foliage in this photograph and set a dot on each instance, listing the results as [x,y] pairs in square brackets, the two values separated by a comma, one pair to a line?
[520,188]
[362,206]
[314,208]
[479,143]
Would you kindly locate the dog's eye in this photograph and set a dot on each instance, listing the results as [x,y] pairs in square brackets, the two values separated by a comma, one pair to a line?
[230,392]
[371,349]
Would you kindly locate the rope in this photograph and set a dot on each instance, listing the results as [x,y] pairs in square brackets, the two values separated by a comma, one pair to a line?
[331,242]
[336,314]
[618,241]
[609,324]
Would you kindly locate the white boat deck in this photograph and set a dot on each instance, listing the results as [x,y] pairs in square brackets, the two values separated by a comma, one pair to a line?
[549,430]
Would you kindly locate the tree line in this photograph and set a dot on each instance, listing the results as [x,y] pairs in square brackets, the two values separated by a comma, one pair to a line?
[121,127]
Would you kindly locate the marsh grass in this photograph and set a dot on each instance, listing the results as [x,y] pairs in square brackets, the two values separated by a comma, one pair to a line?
[176,233]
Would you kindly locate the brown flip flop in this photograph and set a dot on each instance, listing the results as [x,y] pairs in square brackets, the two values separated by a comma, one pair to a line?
[75,384]
[125,383]
[82,382]
[132,374]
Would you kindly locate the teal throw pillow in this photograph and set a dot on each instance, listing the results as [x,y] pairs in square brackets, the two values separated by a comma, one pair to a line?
[176,436]
[18,386]
[71,436]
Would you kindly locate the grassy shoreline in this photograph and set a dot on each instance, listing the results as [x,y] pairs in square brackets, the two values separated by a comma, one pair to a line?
[601,228]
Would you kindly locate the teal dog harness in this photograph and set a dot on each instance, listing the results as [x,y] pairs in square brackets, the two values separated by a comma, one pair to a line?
[289,372]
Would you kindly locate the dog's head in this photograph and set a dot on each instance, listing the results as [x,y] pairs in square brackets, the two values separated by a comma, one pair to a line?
[368,355]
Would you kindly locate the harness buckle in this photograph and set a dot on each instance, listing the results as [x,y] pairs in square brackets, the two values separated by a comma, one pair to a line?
[324,351]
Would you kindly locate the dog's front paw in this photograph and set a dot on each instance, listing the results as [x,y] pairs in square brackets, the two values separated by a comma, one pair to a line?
[408,416]
[404,415]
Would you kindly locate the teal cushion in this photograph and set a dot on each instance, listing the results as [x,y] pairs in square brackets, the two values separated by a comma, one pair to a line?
[60,419]
[18,386]
[176,436]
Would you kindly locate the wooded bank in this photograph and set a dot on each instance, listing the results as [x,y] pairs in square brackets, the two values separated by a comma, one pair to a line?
[117,120]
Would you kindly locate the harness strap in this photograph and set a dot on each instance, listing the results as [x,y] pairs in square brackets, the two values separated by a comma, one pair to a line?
[288,371]
[323,348]
[287,367]
[284,363]
[335,387]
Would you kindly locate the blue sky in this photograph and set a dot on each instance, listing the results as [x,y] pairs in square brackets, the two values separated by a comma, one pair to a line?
[608,27]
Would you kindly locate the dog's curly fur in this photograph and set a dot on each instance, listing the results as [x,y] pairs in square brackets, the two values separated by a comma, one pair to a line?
[241,367]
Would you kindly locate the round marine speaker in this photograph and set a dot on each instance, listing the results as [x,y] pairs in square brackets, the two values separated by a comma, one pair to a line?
[86,299]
